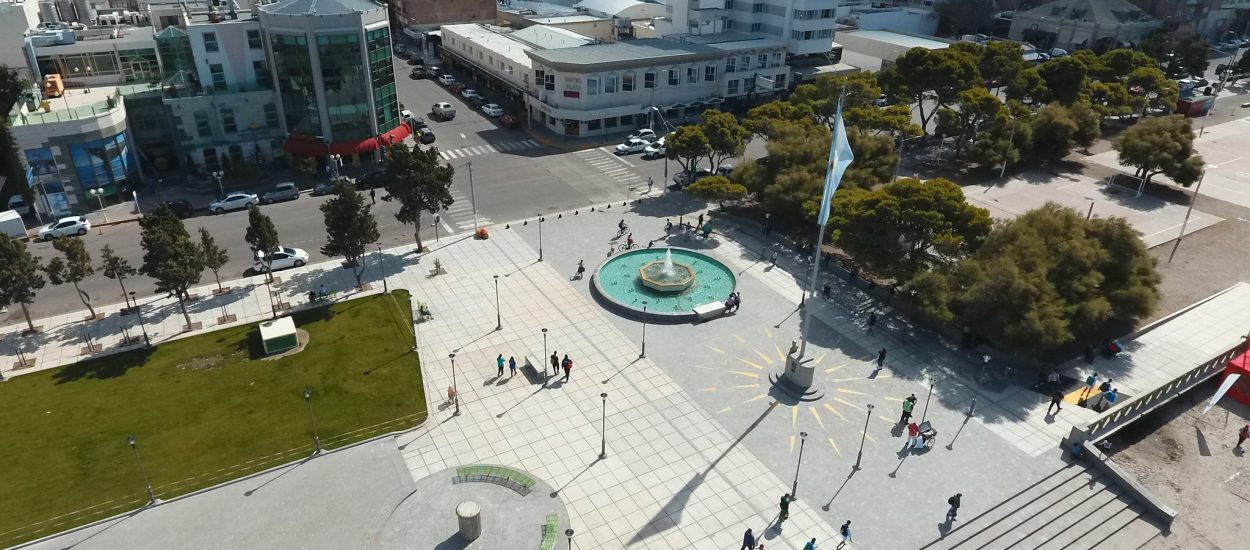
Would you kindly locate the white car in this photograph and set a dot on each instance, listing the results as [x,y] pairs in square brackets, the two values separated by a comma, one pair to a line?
[285,258]
[233,201]
[492,110]
[632,145]
[469,94]
[645,134]
[443,110]
[655,150]
[446,80]
[71,225]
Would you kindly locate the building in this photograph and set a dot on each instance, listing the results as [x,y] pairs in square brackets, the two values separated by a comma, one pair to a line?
[1214,19]
[15,18]
[622,9]
[1098,25]
[871,50]
[806,26]
[430,14]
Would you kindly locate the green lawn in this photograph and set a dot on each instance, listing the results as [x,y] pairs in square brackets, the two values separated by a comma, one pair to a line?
[205,410]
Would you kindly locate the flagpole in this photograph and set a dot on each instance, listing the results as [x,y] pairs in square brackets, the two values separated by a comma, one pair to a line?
[820,239]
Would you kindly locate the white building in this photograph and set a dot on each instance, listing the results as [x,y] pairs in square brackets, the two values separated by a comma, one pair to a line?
[805,25]
[1077,24]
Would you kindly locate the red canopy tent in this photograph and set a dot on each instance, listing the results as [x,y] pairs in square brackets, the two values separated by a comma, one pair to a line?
[309,145]
[1241,388]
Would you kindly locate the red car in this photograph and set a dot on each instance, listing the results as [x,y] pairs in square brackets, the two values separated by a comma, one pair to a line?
[509,121]
[455,87]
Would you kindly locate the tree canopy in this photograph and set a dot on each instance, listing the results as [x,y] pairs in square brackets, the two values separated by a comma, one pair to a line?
[72,266]
[263,237]
[19,276]
[170,257]
[350,227]
[717,189]
[942,74]
[418,179]
[215,257]
[1162,145]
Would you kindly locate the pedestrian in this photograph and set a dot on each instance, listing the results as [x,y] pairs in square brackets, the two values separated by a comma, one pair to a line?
[1105,386]
[650,184]
[1111,396]
[512,366]
[811,545]
[555,363]
[568,368]
[748,541]
[581,269]
[908,405]
[768,224]
[785,509]
[610,250]
[881,358]
[845,531]
[1242,434]
[1055,399]
[668,226]
[872,321]
[1090,382]
[827,291]
[774,258]
[700,224]
[1052,378]
[954,502]
[500,361]
[913,432]
[1078,450]
[373,195]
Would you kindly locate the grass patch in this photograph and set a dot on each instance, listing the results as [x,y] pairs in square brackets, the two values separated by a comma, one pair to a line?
[205,410]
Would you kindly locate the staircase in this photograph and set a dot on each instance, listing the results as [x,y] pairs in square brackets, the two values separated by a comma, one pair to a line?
[1071,508]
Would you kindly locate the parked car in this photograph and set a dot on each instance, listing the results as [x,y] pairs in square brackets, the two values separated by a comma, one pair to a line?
[70,225]
[509,121]
[181,208]
[417,73]
[469,94]
[684,178]
[492,110]
[655,150]
[426,136]
[327,187]
[432,71]
[443,110]
[645,134]
[285,258]
[413,121]
[632,145]
[233,201]
[400,49]
[455,87]
[286,191]
[446,80]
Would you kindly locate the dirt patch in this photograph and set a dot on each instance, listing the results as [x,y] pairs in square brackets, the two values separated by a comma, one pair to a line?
[202,362]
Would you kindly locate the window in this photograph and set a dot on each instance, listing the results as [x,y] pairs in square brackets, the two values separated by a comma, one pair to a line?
[733,87]
[824,33]
[227,121]
[674,77]
[802,35]
[219,76]
[261,73]
[550,82]
[775,61]
[692,75]
[210,42]
[757,27]
[592,86]
[746,63]
[595,124]
[730,63]
[781,81]
[627,82]
[648,79]
[202,127]
[538,76]
[572,93]
[826,14]
[709,73]
[761,60]
[236,153]
[271,115]
[729,5]
[759,7]
[253,39]
[610,122]
[609,84]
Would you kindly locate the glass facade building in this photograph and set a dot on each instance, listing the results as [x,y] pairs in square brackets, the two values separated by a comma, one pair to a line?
[382,73]
[343,79]
[297,83]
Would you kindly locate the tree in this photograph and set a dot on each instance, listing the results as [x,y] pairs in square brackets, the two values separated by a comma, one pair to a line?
[1183,52]
[895,120]
[1154,88]
[823,94]
[11,87]
[908,226]
[964,16]
[306,166]
[687,145]
[1006,140]
[1001,61]
[350,227]
[725,137]
[762,120]
[1053,131]
[215,257]
[73,268]
[921,73]
[19,276]
[875,159]
[1088,124]
[1119,63]
[117,268]
[717,189]
[1162,145]
[976,107]
[263,237]
[1029,87]
[170,256]
[1065,78]
[1112,99]
[419,181]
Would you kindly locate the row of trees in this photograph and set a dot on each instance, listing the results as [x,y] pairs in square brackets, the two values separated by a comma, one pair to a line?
[176,262]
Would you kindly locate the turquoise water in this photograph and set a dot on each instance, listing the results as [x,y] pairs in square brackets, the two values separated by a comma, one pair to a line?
[618,278]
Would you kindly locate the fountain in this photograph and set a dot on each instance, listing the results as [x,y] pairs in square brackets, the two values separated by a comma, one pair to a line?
[672,282]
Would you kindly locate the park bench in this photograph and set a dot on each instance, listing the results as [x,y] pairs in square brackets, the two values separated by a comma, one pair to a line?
[710,310]
[498,475]
[550,530]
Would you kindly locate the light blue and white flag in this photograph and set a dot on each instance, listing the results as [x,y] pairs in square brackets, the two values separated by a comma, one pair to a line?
[840,156]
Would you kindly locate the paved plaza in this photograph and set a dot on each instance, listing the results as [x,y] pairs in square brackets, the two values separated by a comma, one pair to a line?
[699,446]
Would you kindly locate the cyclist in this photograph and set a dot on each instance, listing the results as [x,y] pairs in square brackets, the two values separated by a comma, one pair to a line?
[629,241]
[621,227]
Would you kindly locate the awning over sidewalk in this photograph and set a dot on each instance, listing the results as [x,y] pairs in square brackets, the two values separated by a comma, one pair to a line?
[311,147]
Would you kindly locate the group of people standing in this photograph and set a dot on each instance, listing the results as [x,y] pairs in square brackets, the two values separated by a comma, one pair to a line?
[557,364]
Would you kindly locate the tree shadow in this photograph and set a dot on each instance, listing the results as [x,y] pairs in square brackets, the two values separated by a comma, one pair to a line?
[103,368]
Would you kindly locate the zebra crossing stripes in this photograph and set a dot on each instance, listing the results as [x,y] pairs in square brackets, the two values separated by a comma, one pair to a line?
[488,148]
[610,166]
[460,213]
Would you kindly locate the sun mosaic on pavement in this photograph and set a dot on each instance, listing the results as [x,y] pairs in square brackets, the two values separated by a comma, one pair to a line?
[839,413]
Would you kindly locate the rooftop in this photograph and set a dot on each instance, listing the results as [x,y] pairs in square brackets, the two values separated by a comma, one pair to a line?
[76,103]
[731,40]
[566,19]
[321,7]
[649,51]
[1102,12]
[491,39]
[610,7]
[544,37]
[904,40]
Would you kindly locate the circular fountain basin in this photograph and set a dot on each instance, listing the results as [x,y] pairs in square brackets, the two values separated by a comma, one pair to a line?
[675,278]
[619,283]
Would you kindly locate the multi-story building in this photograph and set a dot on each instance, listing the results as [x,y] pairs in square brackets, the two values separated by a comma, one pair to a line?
[428,14]
[1083,24]
[806,26]
[1214,19]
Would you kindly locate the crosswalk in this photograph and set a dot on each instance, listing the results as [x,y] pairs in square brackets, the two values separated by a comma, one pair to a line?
[459,216]
[613,167]
[489,148]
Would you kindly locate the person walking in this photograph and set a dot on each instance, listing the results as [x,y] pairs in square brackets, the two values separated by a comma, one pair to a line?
[700,224]
[1105,386]
[785,509]
[768,224]
[373,195]
[881,358]
[1090,382]
[872,321]
[774,258]
[1055,399]
[908,405]
[500,361]
[748,541]
[650,184]
[845,531]
[568,368]
[512,366]
[954,503]
[581,270]
[1242,435]
[811,545]
[555,363]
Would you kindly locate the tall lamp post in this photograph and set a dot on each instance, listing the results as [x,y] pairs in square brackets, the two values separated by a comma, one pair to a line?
[643,354]
[99,195]
[603,428]
[794,489]
[221,192]
[134,446]
[1188,211]
[860,456]
[498,312]
[381,270]
[455,390]
[472,195]
[313,418]
[139,311]
[569,533]
[540,236]
[544,357]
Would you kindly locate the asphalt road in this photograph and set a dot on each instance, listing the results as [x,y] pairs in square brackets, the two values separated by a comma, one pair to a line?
[514,176]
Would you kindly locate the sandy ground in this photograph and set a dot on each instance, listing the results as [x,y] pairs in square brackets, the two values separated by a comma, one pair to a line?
[1189,461]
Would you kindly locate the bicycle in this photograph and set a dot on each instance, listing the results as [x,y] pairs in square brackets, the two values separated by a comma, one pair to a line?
[627,246]
[622,230]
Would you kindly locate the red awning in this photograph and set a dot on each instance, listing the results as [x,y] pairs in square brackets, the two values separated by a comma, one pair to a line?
[308,146]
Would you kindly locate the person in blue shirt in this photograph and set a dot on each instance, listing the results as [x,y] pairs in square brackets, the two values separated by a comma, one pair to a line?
[748,541]
[811,545]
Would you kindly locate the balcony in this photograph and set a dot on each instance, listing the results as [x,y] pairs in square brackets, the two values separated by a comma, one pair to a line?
[708,11]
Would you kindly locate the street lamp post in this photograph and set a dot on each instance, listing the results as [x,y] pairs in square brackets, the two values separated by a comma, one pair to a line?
[794,489]
[454,389]
[139,311]
[99,195]
[860,456]
[1189,211]
[643,355]
[381,270]
[544,357]
[221,192]
[472,195]
[540,237]
[313,418]
[498,312]
[603,428]
[569,533]
[435,224]
[134,446]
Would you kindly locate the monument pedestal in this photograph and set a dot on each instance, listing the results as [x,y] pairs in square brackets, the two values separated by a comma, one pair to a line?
[469,518]
[796,380]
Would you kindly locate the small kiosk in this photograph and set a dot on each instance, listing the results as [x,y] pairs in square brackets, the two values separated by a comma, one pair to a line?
[278,335]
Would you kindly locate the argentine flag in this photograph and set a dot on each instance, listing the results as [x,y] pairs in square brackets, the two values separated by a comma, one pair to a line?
[840,156]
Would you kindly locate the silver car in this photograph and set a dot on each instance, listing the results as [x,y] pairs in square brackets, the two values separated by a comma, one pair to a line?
[286,191]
